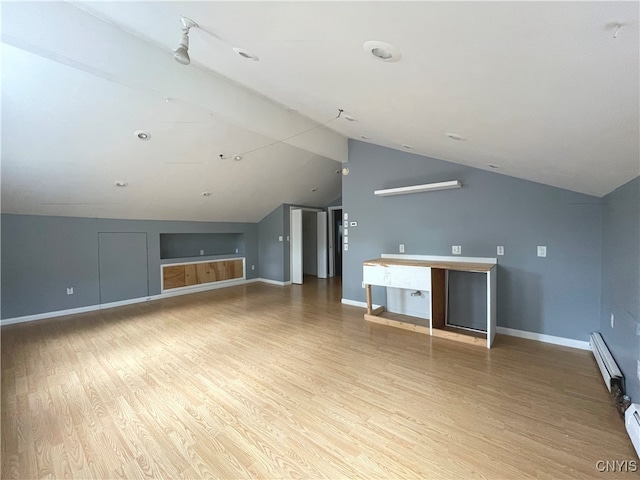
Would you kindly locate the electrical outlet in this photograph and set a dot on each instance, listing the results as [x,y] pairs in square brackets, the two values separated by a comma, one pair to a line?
[201,252]
[253,267]
[236,250]
[500,250]
[456,249]
[542,251]
[69,290]
[280,238]
[612,319]
[362,284]
[401,248]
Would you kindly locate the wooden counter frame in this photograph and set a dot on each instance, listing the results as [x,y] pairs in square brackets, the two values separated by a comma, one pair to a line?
[437,267]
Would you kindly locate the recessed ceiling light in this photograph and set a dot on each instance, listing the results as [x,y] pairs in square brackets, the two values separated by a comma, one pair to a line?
[314,189]
[245,54]
[237,158]
[493,165]
[345,171]
[455,136]
[142,135]
[407,146]
[206,194]
[364,136]
[382,51]
[120,183]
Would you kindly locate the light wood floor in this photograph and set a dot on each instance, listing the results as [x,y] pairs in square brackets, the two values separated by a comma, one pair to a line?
[279,382]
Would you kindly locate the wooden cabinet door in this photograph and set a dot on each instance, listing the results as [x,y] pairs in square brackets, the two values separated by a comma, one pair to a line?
[190,275]
[173,277]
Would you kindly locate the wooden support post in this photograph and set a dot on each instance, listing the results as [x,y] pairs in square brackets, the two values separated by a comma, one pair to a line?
[369,305]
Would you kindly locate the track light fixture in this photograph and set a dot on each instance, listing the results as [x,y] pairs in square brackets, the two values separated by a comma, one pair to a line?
[181,54]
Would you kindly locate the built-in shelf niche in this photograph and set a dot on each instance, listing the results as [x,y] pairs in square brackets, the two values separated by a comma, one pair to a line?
[186,245]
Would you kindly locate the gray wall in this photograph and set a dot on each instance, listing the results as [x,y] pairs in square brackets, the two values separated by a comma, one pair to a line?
[621,280]
[42,256]
[557,295]
[310,243]
[271,249]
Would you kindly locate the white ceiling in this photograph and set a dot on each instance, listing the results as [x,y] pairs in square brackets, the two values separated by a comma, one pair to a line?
[540,89]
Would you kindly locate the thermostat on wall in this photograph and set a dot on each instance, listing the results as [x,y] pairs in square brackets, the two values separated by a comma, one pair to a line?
[353,224]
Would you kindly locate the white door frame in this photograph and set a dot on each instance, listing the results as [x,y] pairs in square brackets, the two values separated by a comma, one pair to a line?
[322,252]
[291,209]
[332,265]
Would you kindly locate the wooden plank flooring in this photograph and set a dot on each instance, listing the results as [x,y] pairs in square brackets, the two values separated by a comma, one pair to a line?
[261,381]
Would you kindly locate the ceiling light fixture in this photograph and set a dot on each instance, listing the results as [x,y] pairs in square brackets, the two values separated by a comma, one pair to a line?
[245,54]
[492,165]
[345,171]
[314,189]
[409,147]
[382,51]
[455,136]
[120,183]
[181,54]
[237,158]
[142,135]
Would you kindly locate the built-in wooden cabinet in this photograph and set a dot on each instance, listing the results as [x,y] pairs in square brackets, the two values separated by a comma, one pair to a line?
[201,273]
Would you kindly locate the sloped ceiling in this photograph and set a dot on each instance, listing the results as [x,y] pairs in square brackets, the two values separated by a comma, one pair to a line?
[541,90]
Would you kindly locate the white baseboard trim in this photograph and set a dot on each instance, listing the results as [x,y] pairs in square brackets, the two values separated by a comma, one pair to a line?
[541,337]
[104,306]
[274,282]
[355,303]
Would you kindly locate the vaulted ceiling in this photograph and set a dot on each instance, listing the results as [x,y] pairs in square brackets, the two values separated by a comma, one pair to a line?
[537,90]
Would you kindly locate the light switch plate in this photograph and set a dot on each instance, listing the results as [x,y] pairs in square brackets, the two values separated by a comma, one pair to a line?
[346,216]
[500,250]
[280,238]
[401,248]
[345,232]
[456,249]
[346,247]
[542,251]
[346,240]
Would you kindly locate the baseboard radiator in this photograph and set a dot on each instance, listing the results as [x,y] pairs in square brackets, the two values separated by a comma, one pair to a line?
[632,422]
[613,378]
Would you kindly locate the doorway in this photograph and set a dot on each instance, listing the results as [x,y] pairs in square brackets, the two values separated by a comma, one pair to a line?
[335,241]
[308,243]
